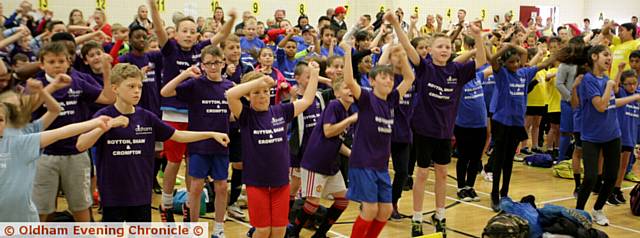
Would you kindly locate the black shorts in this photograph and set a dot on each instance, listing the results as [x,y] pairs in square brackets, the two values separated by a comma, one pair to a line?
[536,111]
[627,148]
[554,117]
[431,149]
[127,213]
[235,148]
[578,140]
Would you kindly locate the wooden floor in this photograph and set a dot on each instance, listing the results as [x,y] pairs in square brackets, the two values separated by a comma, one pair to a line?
[468,219]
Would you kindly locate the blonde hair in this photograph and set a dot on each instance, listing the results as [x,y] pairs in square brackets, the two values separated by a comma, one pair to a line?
[337,83]
[16,115]
[123,71]
[253,75]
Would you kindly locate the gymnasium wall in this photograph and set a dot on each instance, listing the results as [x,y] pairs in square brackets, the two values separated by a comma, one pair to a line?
[621,11]
[122,11]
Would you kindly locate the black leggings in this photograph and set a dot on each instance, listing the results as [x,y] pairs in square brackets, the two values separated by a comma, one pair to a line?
[590,155]
[470,147]
[129,213]
[400,156]
[507,139]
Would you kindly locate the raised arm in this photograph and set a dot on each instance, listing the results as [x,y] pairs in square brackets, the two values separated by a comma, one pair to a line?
[225,30]
[53,107]
[332,130]
[87,140]
[310,92]
[169,90]
[159,27]
[287,37]
[236,93]
[626,100]
[494,59]
[107,96]
[402,38]
[618,77]
[51,136]
[347,72]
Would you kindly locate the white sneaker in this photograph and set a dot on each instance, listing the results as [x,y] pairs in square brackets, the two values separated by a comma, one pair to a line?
[218,234]
[235,212]
[599,218]
[487,176]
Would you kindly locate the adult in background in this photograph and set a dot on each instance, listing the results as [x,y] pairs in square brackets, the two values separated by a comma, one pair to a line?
[337,21]
[142,18]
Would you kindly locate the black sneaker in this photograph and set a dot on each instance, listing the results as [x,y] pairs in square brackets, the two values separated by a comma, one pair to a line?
[416,228]
[612,200]
[463,194]
[537,150]
[395,215]
[525,151]
[408,186]
[597,187]
[186,212]
[474,196]
[495,204]
[166,215]
[156,187]
[620,197]
[440,225]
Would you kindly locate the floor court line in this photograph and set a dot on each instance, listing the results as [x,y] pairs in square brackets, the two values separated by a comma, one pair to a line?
[624,228]
[249,226]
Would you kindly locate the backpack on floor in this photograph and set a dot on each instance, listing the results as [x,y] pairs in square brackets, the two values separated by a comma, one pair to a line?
[506,225]
[180,197]
[539,160]
[563,169]
[635,200]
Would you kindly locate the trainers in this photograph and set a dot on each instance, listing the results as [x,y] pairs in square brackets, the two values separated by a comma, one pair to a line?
[395,215]
[599,218]
[495,204]
[186,213]
[463,194]
[218,234]
[620,197]
[440,225]
[612,200]
[235,212]
[166,215]
[416,228]
[525,151]
[519,157]
[537,150]
[488,176]
[251,231]
[474,196]
[632,177]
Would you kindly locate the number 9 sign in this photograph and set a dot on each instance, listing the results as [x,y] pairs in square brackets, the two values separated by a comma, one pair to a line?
[255,8]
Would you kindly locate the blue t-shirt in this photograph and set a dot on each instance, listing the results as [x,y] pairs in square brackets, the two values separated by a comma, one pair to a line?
[628,119]
[472,112]
[18,155]
[509,101]
[285,65]
[337,51]
[250,45]
[600,126]
[488,86]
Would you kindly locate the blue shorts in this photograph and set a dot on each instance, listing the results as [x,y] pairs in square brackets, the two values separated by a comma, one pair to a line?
[369,185]
[566,117]
[216,166]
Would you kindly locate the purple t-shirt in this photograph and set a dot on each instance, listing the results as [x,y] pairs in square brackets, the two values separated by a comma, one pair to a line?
[403,113]
[174,61]
[208,111]
[321,154]
[265,152]
[438,89]
[75,101]
[150,99]
[309,118]
[125,158]
[372,139]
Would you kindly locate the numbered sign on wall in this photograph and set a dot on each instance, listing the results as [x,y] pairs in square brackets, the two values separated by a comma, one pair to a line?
[382,8]
[101,4]
[255,8]
[416,10]
[214,4]
[43,4]
[160,4]
[302,9]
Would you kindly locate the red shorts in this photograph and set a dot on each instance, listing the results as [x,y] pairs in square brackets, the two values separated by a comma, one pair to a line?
[175,151]
[268,206]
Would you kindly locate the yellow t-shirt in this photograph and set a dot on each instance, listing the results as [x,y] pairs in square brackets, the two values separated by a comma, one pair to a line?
[553,95]
[426,30]
[620,53]
[537,97]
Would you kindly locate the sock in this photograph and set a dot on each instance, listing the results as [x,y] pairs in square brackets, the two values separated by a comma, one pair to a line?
[333,213]
[236,186]
[417,216]
[308,209]
[167,200]
[576,180]
[292,200]
[375,228]
[219,226]
[360,228]
[565,141]
[440,213]
[188,203]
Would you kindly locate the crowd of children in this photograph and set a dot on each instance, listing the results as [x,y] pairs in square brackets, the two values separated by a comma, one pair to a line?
[92,107]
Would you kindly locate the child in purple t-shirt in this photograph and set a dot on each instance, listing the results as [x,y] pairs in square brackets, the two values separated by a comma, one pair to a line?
[265,152]
[439,85]
[208,109]
[369,181]
[320,170]
[179,53]
[126,149]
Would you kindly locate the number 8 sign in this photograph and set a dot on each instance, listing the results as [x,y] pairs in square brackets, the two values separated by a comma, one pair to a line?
[302,9]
